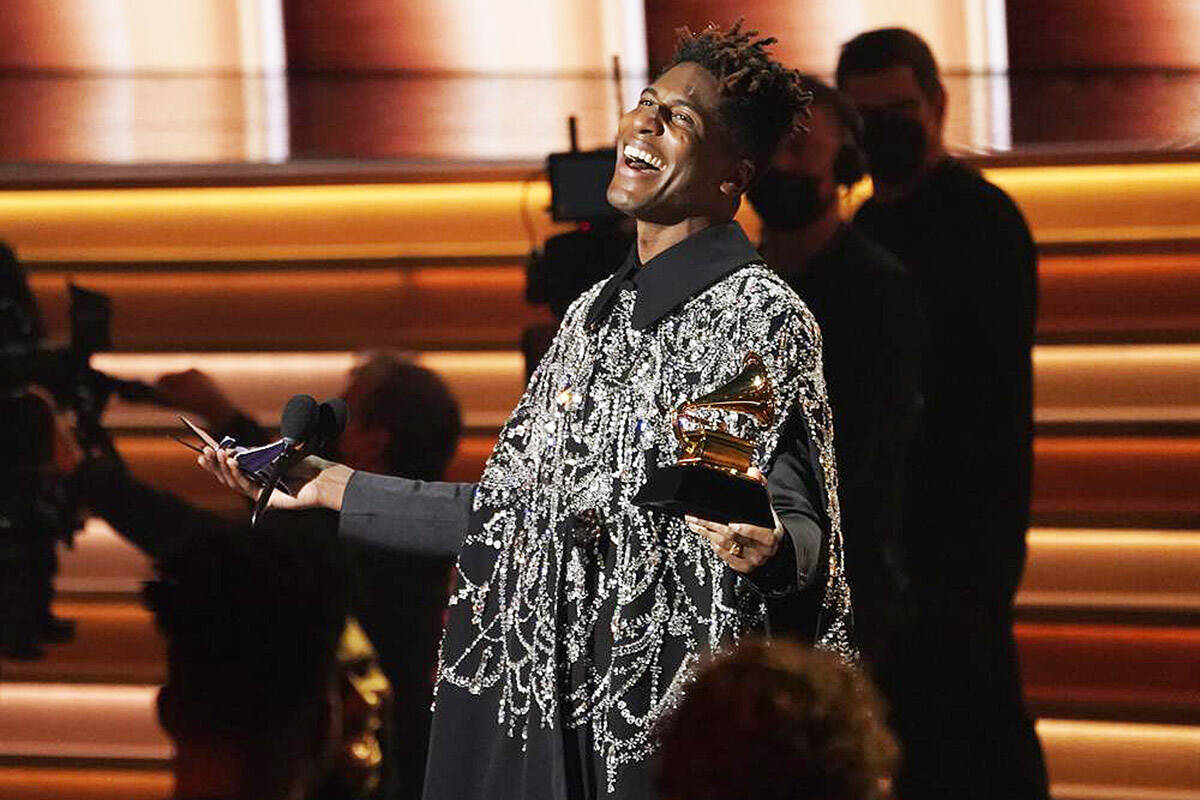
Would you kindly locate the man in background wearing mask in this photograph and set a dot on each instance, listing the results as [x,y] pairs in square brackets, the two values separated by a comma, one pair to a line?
[871,330]
[968,490]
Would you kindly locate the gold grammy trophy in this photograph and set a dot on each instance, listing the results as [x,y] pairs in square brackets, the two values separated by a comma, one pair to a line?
[711,479]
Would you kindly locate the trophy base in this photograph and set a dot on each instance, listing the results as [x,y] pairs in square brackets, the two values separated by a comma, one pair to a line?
[708,494]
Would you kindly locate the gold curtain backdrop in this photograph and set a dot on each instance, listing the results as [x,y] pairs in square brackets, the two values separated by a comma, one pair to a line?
[239,81]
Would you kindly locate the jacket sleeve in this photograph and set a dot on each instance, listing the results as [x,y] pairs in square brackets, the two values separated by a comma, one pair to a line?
[796,497]
[422,517]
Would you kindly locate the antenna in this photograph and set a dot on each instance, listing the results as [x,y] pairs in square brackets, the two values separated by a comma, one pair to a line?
[573,132]
[616,77]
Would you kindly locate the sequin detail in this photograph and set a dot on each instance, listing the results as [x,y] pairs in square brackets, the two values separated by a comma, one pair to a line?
[559,559]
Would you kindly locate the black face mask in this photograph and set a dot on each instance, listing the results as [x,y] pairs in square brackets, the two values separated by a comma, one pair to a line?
[895,146]
[786,201]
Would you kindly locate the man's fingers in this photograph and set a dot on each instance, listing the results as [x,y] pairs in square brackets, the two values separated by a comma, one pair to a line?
[739,563]
[753,545]
[228,473]
[753,533]
[739,531]
[715,532]
[239,480]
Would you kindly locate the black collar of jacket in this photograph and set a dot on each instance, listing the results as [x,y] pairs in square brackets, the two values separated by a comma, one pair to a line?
[677,274]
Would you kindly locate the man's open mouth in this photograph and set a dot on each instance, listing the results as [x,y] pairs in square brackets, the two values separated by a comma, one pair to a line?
[640,159]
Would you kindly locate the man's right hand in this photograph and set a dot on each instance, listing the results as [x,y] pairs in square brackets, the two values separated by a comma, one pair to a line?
[321,483]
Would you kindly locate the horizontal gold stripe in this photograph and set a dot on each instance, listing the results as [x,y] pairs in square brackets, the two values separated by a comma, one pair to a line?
[81,783]
[80,721]
[1117,383]
[118,722]
[1063,204]
[1112,570]
[1094,383]
[275,222]
[1067,568]
[487,384]
[1121,760]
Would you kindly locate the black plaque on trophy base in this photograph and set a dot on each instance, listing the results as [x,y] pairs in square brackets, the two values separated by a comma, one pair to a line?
[706,493]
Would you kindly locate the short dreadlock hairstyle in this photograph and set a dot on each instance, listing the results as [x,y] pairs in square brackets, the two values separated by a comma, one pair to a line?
[761,100]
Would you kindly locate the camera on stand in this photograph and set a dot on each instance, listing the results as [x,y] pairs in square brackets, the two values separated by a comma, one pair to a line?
[39,497]
[569,263]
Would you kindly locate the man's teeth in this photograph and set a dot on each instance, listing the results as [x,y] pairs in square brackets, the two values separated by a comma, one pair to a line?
[641,155]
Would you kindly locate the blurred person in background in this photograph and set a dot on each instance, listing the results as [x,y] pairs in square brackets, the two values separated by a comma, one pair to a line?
[36,512]
[776,721]
[364,765]
[962,719]
[403,420]
[871,334]
[252,702]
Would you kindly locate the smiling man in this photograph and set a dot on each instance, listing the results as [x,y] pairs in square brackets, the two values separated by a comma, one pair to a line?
[579,616]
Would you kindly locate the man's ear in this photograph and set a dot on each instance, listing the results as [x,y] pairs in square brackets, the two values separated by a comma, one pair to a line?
[739,179]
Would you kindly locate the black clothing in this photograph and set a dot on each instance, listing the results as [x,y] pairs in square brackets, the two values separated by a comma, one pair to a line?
[675,275]
[872,332]
[975,266]
[577,615]
[967,500]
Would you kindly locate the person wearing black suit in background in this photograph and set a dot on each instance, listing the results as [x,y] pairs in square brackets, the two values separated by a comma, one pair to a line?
[964,727]
[872,333]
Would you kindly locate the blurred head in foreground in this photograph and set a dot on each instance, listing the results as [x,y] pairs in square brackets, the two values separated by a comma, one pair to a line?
[252,700]
[773,722]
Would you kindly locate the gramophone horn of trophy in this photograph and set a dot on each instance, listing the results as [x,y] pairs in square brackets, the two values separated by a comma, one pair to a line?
[711,479]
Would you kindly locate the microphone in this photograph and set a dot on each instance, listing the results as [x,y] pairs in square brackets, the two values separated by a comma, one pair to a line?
[298,426]
[331,421]
[299,420]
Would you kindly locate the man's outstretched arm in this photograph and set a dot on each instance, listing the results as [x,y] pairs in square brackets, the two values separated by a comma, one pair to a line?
[423,517]
[428,518]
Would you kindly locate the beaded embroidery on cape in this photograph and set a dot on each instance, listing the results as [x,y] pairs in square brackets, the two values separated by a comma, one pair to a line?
[596,410]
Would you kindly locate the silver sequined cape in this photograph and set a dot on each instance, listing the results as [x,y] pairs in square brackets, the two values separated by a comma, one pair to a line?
[546,632]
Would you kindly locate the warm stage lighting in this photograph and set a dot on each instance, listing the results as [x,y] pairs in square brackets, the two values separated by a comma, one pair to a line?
[484,219]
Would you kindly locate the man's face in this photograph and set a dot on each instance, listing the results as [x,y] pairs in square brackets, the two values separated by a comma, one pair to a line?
[895,90]
[674,159]
[366,697]
[813,153]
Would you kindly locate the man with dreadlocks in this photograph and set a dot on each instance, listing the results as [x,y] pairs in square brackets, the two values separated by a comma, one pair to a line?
[578,616]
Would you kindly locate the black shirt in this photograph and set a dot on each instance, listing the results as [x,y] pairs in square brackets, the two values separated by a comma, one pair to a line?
[975,265]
